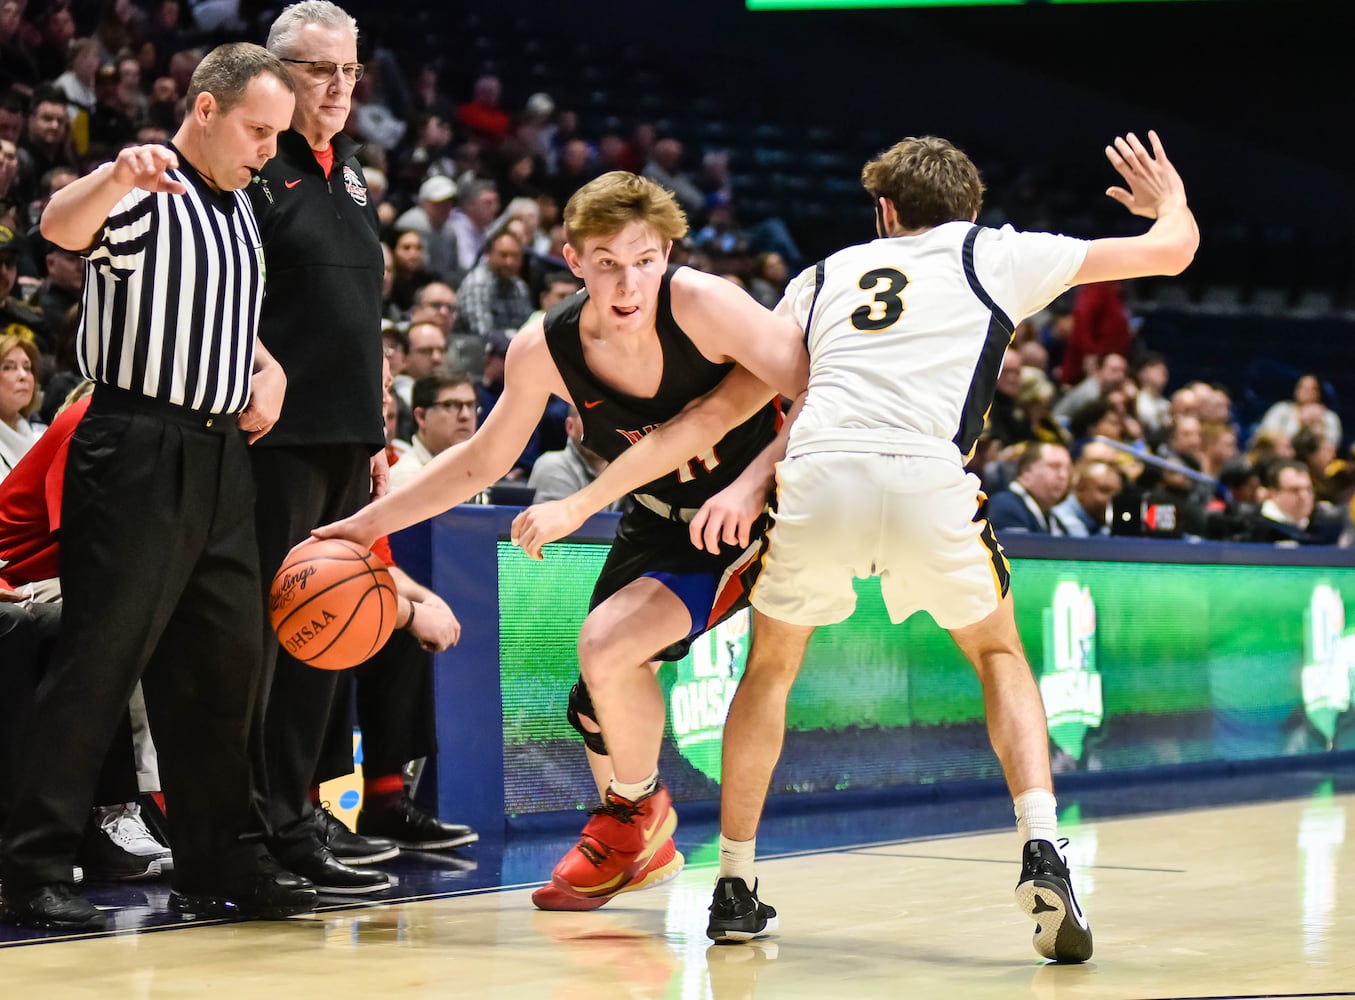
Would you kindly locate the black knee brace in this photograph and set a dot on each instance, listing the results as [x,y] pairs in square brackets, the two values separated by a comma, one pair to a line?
[581,707]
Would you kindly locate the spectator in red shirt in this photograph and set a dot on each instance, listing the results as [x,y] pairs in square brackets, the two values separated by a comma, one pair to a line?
[1100,326]
[482,116]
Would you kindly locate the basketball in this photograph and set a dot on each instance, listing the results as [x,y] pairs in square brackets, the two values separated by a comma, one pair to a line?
[332,604]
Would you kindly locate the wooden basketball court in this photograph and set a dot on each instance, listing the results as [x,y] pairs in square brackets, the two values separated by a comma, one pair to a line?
[1234,899]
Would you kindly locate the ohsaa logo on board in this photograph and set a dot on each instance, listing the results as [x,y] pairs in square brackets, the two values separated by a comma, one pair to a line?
[705,682]
[1070,684]
[353,185]
[1328,659]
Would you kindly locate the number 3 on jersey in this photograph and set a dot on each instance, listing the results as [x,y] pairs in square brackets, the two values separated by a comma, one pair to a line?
[886,305]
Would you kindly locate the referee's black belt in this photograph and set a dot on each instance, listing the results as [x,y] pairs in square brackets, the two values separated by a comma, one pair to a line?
[111,399]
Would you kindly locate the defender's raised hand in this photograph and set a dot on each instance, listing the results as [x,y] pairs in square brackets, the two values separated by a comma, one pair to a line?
[1152,181]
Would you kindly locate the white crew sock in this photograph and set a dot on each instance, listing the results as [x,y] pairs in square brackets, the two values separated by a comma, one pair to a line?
[635,792]
[1037,816]
[736,860]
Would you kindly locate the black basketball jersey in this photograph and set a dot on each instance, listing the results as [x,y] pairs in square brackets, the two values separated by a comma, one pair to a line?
[614,420]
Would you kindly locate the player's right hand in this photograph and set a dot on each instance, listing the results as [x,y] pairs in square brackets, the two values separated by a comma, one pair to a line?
[144,167]
[350,528]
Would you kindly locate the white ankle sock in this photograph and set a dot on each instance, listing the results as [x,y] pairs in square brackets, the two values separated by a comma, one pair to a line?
[736,859]
[1036,816]
[635,792]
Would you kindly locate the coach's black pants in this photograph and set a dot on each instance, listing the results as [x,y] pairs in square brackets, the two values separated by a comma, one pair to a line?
[394,701]
[160,583]
[299,488]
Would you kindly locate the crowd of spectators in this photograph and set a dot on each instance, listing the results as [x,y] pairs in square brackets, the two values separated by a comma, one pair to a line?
[1088,451]
[469,178]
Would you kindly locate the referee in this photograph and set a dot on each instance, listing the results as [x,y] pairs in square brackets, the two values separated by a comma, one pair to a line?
[160,572]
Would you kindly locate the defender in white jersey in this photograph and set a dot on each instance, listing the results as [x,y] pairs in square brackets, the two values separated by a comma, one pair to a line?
[905,337]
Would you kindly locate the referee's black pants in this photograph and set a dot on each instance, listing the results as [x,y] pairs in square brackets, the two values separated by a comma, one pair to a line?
[160,583]
[298,488]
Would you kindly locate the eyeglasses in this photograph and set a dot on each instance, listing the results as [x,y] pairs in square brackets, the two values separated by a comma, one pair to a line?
[441,306]
[323,69]
[470,406]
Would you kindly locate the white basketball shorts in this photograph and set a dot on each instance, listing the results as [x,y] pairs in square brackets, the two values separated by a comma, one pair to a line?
[911,521]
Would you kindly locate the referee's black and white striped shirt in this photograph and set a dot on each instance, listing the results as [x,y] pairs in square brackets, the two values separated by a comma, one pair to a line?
[173,288]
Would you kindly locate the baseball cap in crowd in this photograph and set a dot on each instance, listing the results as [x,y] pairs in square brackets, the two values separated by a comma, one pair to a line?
[1035,386]
[496,343]
[437,188]
[541,104]
[39,247]
[10,240]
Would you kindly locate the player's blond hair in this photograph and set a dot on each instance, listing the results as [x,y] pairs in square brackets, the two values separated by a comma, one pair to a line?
[929,181]
[610,203]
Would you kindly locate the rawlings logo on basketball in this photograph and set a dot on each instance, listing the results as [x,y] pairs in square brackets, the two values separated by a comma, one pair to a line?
[289,582]
[354,186]
[298,640]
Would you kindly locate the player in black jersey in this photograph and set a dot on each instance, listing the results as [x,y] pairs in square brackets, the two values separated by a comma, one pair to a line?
[630,352]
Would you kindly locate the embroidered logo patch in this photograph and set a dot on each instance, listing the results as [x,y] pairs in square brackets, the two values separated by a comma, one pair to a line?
[354,186]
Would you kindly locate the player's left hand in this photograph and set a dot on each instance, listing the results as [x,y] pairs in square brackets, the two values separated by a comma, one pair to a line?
[728,516]
[542,523]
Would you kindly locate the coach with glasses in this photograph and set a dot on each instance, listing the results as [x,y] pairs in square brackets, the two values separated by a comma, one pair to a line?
[325,458]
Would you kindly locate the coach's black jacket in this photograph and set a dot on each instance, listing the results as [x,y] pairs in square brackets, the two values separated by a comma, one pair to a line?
[322,295]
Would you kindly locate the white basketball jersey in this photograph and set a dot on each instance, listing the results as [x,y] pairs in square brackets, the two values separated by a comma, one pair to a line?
[906,335]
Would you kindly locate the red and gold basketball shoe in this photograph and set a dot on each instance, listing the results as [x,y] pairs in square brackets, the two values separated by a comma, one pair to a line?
[617,844]
[664,866]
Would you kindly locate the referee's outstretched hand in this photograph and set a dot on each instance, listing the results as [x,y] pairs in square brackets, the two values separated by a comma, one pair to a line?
[144,167]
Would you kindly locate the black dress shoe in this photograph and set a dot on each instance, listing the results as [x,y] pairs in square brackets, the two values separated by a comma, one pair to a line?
[330,875]
[409,826]
[347,846]
[267,893]
[53,907]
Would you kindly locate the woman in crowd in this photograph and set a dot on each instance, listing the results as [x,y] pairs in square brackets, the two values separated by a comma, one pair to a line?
[18,398]
[1305,409]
